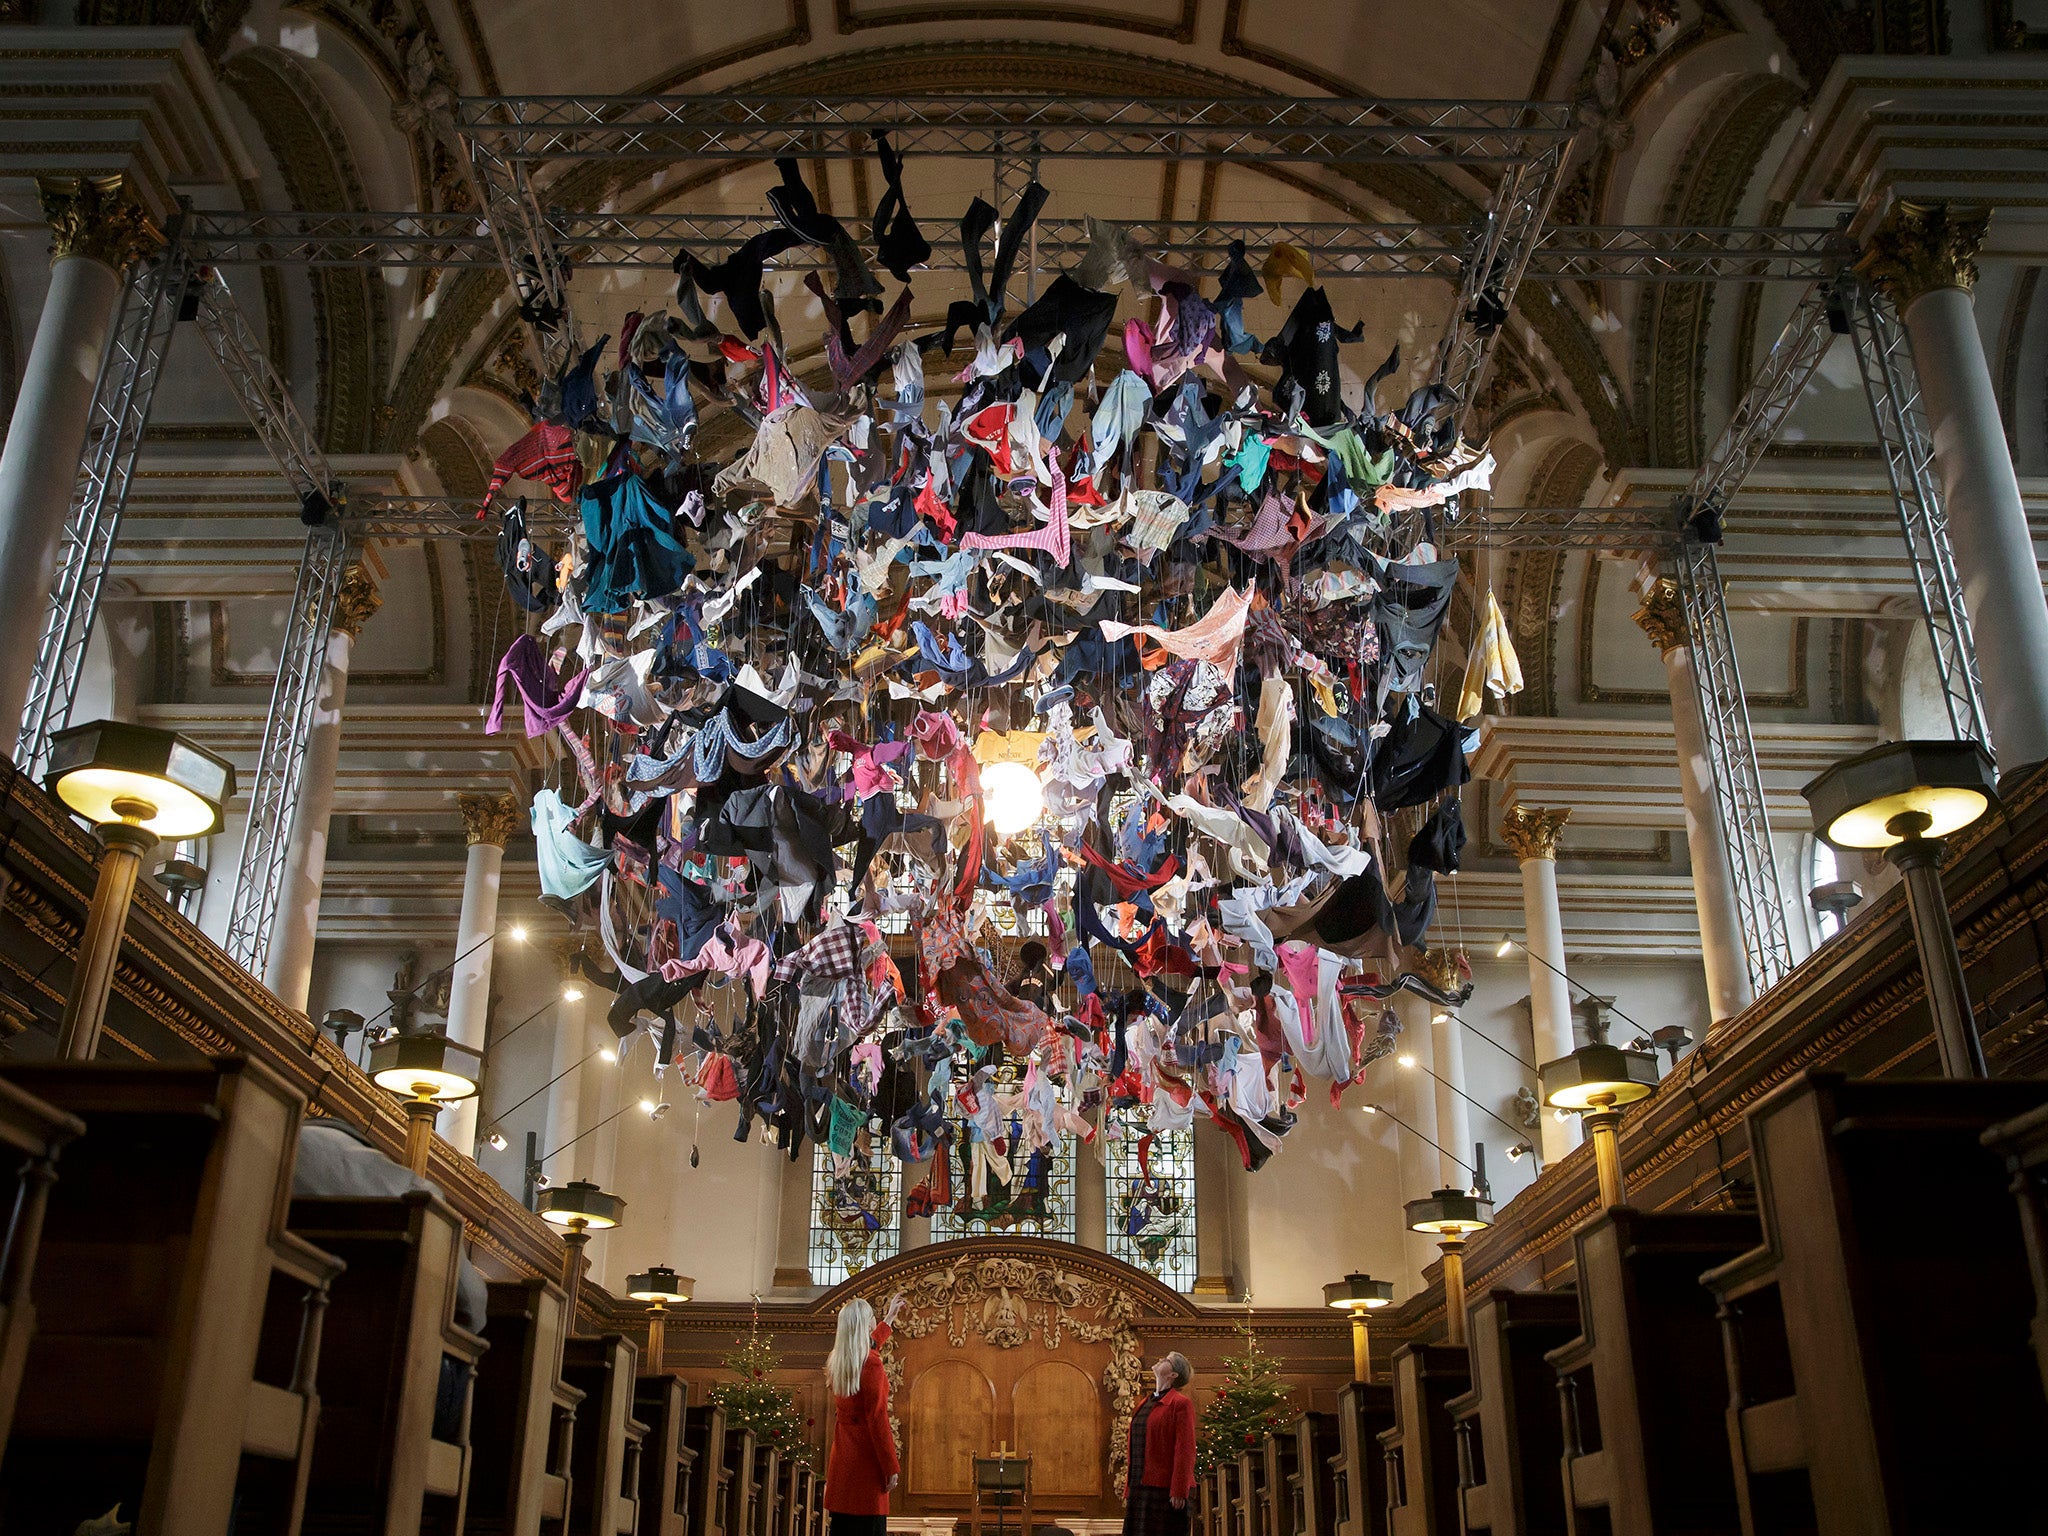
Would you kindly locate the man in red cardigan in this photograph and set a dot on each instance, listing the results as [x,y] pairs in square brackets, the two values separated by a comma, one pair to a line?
[1162,1464]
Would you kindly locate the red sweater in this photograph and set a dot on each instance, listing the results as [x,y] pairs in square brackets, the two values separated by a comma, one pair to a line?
[863,1454]
[1169,1445]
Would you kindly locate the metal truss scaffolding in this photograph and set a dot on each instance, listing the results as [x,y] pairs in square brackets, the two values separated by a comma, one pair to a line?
[1893,388]
[121,399]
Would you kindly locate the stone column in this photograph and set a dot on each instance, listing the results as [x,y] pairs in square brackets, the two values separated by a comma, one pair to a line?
[1531,835]
[562,1104]
[1924,257]
[1662,617]
[1447,1052]
[289,971]
[1091,1196]
[1422,1166]
[96,230]
[489,820]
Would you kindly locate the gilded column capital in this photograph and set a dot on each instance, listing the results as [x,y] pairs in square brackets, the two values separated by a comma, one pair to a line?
[95,216]
[357,600]
[1532,833]
[1662,615]
[1924,246]
[490,818]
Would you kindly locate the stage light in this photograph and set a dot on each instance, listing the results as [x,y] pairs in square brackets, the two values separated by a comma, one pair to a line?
[1013,797]
[1500,950]
[1405,1059]
[608,1054]
[572,994]
[518,933]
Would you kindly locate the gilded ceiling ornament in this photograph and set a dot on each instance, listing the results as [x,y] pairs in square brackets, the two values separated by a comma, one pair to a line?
[1924,246]
[1662,615]
[95,216]
[490,818]
[1440,967]
[1531,832]
[356,601]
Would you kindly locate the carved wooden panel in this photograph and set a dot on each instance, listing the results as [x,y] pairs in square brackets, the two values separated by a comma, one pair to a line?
[948,1418]
[1056,1420]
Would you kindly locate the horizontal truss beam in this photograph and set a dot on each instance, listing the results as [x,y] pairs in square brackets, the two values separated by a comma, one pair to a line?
[1299,130]
[1633,253]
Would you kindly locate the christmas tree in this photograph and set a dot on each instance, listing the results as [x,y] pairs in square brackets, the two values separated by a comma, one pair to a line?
[752,1402]
[1251,1404]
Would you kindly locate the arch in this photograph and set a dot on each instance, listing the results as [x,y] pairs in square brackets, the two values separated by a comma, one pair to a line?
[1056,1414]
[949,1418]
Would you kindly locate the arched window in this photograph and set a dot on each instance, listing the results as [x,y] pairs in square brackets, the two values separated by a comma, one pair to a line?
[1000,1187]
[1821,869]
[1151,1179]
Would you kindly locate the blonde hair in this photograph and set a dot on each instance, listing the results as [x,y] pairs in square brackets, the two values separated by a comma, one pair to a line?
[850,1347]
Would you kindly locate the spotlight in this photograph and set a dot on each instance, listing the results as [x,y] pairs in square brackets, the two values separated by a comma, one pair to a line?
[1520,1150]
[1370,1109]
[1013,796]
[1500,950]
[497,1141]
[648,1105]
[518,933]
[572,994]
[1441,1018]
[608,1054]
[1405,1059]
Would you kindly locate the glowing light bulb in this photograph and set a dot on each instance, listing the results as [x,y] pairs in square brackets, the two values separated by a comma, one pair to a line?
[1370,1109]
[1501,949]
[648,1105]
[1012,796]
[572,994]
[1442,1018]
[608,1054]
[518,934]
[1405,1060]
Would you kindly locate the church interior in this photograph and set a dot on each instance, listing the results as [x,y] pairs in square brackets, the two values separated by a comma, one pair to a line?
[1351,694]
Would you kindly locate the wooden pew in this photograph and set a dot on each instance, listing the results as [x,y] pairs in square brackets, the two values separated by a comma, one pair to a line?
[1311,1488]
[1421,1447]
[711,1494]
[1358,1473]
[32,1133]
[767,1489]
[177,1344]
[1642,1388]
[1251,1513]
[390,1325]
[1510,1439]
[739,1465]
[1877,1336]
[2023,1143]
[522,1417]
[1276,1453]
[667,1462]
[605,1438]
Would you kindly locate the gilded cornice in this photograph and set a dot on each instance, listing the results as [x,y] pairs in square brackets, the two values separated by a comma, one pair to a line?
[96,217]
[1532,832]
[1924,246]
[357,601]
[1662,615]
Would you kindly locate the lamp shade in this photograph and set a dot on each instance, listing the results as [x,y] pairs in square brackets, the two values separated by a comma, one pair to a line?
[426,1066]
[661,1285]
[581,1203]
[1951,783]
[1598,1075]
[112,773]
[1447,1211]
[1355,1292]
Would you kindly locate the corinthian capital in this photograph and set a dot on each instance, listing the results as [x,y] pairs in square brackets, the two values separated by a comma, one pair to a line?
[490,818]
[1924,246]
[95,216]
[357,600]
[1662,615]
[1531,833]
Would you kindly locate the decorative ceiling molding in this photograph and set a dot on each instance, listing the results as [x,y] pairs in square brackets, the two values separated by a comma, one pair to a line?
[849,17]
[1798,698]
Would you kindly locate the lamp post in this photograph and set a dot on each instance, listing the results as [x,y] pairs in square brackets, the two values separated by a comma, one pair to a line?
[579,1208]
[428,1071]
[137,786]
[661,1288]
[1359,1294]
[1450,1216]
[1596,1080]
[1904,798]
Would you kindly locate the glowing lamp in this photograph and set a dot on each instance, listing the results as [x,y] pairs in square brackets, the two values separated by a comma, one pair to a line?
[428,1071]
[1012,796]
[581,1206]
[1598,1076]
[137,776]
[1449,1211]
[660,1286]
[1359,1294]
[1902,790]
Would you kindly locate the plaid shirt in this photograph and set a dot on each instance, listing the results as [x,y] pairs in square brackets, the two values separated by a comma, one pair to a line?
[833,955]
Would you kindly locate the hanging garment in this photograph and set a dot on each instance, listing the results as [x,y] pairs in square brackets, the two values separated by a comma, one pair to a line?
[1493,666]
[546,453]
[524,669]
[568,865]
[1407,612]
[634,554]
[1216,636]
[1422,755]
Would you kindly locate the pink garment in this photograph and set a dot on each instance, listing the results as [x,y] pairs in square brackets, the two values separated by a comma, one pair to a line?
[1300,963]
[1053,538]
[870,776]
[749,958]
[936,735]
[1217,636]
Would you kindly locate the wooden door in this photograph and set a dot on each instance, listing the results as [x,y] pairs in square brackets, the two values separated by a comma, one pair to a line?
[1056,1420]
[948,1418]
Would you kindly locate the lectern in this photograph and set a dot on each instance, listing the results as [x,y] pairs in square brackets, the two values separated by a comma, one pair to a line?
[1002,1494]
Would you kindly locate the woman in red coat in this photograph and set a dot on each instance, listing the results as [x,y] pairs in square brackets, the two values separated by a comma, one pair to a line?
[1162,1465]
[861,1467]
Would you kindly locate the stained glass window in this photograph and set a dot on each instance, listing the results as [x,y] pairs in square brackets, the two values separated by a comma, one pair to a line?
[1031,1194]
[1151,1198]
[854,1206]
